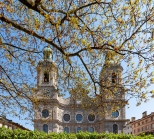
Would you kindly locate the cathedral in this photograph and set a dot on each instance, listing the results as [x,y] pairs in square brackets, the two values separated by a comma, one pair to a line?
[53,113]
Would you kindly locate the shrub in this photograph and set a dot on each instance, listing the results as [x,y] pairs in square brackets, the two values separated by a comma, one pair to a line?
[22,134]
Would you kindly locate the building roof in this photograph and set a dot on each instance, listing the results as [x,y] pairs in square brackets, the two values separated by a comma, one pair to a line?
[3,118]
[143,117]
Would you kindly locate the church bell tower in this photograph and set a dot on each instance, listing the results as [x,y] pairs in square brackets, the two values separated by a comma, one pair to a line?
[47,70]
[112,91]
[46,93]
[47,75]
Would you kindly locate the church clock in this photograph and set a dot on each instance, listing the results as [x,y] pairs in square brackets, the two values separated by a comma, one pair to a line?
[46,92]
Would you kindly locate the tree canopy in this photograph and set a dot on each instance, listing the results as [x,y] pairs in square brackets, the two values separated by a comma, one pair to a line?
[81,34]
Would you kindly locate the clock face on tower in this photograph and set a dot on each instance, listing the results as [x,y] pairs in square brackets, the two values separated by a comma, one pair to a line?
[46,92]
[118,93]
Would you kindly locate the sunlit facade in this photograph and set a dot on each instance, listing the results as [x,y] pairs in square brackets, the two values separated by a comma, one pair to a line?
[53,113]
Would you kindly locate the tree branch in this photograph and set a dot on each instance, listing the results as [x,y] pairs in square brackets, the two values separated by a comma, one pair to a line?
[30,32]
[21,48]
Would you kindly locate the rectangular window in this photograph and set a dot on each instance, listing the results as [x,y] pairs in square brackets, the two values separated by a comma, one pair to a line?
[134,131]
[138,130]
[10,127]
[146,127]
[152,118]
[152,126]
[91,129]
[142,128]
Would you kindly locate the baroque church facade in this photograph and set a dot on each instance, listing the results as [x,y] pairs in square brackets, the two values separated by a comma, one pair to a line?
[53,113]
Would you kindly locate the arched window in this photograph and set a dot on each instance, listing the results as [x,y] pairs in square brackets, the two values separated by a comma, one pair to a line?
[66,130]
[45,113]
[91,129]
[78,129]
[114,77]
[115,129]
[45,128]
[46,77]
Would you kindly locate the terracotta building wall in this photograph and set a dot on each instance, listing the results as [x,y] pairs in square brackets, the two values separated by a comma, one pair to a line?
[143,125]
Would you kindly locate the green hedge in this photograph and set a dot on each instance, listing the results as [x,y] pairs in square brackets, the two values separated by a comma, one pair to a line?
[22,134]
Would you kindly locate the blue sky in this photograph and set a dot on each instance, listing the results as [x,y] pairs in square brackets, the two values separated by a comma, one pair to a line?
[136,111]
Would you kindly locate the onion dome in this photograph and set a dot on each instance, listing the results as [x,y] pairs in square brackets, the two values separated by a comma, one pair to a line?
[47,52]
[109,59]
